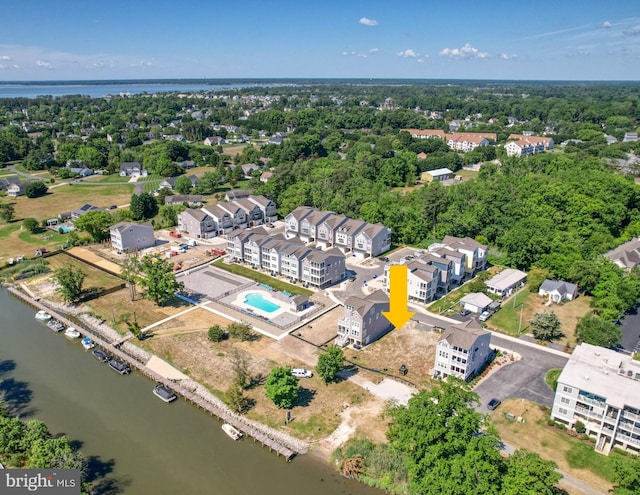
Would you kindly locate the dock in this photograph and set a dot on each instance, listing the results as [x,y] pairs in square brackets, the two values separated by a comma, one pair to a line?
[226,416]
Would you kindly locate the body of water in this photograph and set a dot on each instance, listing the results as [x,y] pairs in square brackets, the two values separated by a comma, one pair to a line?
[22,90]
[140,444]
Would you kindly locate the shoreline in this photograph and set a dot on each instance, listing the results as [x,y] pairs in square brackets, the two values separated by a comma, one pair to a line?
[194,392]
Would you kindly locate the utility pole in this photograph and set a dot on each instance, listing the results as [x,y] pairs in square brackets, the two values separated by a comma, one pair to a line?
[520,324]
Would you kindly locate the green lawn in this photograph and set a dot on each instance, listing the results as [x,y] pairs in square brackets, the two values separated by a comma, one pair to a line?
[448,303]
[107,179]
[551,378]
[508,318]
[262,278]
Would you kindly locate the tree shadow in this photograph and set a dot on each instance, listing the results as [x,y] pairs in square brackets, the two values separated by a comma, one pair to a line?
[305,396]
[6,366]
[97,474]
[16,397]
[256,381]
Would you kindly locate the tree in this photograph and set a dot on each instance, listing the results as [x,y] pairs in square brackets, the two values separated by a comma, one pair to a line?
[330,363]
[528,474]
[131,273]
[69,282]
[143,206]
[437,431]
[240,365]
[35,189]
[627,476]
[183,185]
[31,224]
[237,400]
[536,276]
[596,331]
[281,387]
[546,326]
[7,211]
[217,334]
[242,331]
[159,280]
[96,223]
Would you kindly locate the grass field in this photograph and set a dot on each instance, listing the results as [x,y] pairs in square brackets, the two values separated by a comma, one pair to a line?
[572,455]
[551,378]
[528,303]
[69,197]
[17,241]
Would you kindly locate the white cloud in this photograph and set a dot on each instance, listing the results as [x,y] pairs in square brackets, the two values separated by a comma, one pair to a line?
[408,53]
[5,57]
[634,31]
[466,52]
[606,24]
[508,56]
[367,22]
[44,64]
[420,60]
[373,50]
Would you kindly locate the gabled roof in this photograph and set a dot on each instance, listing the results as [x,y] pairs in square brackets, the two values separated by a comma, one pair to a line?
[300,212]
[260,200]
[130,166]
[215,211]
[122,226]
[626,255]
[362,305]
[558,285]
[199,215]
[477,299]
[439,171]
[237,193]
[463,335]
[506,278]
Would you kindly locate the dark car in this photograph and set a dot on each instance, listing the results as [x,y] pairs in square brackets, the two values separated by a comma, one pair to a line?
[493,403]
[464,312]
[113,207]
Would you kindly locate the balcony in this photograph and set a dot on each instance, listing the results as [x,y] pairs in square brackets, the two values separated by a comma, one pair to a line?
[587,412]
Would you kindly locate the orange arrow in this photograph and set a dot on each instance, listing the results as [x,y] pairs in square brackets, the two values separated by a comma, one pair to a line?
[398,301]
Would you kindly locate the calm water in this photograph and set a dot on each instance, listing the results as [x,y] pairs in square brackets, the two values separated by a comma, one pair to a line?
[143,445]
[17,90]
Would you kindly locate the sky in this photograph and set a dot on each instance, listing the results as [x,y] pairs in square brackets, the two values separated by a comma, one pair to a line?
[414,39]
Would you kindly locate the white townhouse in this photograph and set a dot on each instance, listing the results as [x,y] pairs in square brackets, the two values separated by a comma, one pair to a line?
[523,145]
[462,351]
[362,321]
[601,388]
[476,253]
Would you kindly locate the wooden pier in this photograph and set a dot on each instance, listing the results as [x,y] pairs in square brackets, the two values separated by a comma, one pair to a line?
[114,349]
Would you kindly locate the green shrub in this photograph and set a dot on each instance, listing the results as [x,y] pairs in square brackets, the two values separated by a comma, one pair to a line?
[580,427]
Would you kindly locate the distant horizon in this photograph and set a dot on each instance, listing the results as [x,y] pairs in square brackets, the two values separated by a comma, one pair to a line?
[585,40]
[205,80]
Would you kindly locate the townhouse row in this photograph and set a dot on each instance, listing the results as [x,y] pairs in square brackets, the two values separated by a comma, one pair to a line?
[443,266]
[287,257]
[326,229]
[227,216]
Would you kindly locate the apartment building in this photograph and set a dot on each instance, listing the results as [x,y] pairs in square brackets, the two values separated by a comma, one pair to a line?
[601,388]
[523,145]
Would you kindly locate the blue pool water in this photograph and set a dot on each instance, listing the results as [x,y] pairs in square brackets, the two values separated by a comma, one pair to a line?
[257,301]
[65,228]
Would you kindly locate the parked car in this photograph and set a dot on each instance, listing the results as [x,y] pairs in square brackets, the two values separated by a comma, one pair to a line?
[464,312]
[301,373]
[485,315]
[113,207]
[493,403]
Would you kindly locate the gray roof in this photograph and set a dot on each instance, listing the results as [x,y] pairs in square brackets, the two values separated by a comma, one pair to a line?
[362,305]
[237,193]
[122,226]
[468,242]
[506,279]
[199,215]
[463,335]
[626,255]
[130,165]
[477,299]
[562,287]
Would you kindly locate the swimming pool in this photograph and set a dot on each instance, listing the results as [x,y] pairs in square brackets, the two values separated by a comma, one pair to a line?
[65,228]
[257,301]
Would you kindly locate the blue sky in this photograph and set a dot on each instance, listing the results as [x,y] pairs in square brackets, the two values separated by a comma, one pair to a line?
[559,40]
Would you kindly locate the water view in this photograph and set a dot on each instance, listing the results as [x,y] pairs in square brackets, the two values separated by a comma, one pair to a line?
[136,443]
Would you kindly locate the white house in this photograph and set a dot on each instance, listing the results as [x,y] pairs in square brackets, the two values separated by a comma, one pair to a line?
[558,291]
[505,282]
[476,302]
[128,236]
[462,351]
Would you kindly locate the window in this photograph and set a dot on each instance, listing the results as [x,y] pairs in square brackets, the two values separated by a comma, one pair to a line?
[566,389]
[563,411]
[565,400]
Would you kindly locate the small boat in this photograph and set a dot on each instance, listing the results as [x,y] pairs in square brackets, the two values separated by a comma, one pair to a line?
[163,393]
[55,325]
[119,366]
[72,333]
[42,315]
[101,355]
[231,431]
[87,343]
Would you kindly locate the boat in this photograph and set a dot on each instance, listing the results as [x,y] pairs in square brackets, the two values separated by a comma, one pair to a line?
[87,343]
[42,315]
[119,366]
[231,431]
[72,333]
[101,355]
[164,393]
[55,325]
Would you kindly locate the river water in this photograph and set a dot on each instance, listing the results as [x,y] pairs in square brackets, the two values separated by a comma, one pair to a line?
[140,444]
